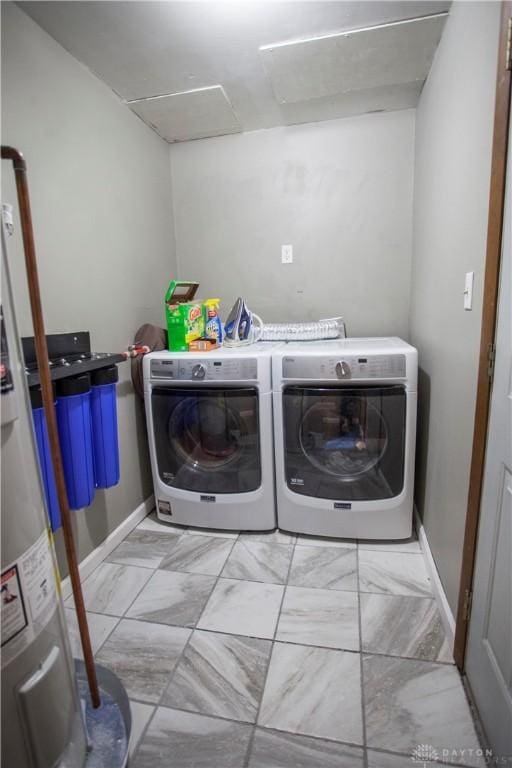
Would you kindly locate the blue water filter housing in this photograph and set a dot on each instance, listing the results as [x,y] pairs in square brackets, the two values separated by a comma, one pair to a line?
[75,435]
[45,458]
[104,427]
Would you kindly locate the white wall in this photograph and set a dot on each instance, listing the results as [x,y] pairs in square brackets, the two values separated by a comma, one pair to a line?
[454,125]
[100,190]
[339,191]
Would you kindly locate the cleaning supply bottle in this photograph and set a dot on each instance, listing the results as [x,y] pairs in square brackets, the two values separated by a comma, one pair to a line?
[212,321]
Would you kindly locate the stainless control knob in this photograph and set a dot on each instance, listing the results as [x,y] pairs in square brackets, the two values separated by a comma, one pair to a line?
[343,370]
[198,371]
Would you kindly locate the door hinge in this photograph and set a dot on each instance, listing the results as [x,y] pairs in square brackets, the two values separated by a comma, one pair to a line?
[491,356]
[508,48]
[468,602]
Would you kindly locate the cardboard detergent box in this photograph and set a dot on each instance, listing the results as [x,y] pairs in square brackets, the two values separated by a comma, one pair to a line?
[185,317]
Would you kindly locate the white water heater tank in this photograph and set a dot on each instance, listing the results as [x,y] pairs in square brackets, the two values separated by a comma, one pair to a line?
[42,724]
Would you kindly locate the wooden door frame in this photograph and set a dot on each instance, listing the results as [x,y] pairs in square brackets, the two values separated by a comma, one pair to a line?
[488,332]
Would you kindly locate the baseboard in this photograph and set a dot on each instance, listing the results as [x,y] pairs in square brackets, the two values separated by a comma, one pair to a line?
[99,554]
[447,616]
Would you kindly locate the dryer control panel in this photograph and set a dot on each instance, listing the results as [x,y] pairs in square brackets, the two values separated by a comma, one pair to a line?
[344,367]
[205,369]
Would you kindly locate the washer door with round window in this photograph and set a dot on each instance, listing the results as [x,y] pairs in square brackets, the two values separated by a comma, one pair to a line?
[207,440]
[345,443]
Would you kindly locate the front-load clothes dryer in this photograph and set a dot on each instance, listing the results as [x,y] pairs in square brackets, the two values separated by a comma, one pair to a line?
[345,427]
[209,421]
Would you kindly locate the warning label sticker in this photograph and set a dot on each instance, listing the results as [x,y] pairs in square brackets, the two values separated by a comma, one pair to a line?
[28,598]
[14,616]
[38,577]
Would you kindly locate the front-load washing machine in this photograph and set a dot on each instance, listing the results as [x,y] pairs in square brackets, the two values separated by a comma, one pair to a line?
[345,427]
[209,421]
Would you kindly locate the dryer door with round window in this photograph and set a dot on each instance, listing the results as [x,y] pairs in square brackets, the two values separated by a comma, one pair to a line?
[207,440]
[345,443]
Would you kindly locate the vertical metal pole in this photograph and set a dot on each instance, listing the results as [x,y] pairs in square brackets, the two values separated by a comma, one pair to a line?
[20,172]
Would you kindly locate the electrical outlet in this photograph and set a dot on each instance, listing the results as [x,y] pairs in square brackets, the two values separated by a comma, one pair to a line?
[286,254]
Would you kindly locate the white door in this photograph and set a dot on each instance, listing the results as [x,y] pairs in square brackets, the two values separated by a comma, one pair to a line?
[489,654]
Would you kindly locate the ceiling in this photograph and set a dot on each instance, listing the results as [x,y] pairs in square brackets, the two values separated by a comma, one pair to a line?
[197,69]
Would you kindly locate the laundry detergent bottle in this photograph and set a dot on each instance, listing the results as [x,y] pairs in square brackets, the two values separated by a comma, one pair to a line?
[212,321]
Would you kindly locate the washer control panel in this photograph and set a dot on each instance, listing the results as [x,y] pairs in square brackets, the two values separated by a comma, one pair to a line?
[345,367]
[205,369]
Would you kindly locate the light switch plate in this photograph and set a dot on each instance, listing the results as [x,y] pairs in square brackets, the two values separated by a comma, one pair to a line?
[468,290]
[286,254]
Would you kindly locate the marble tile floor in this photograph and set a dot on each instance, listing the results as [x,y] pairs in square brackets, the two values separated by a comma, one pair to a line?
[277,651]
